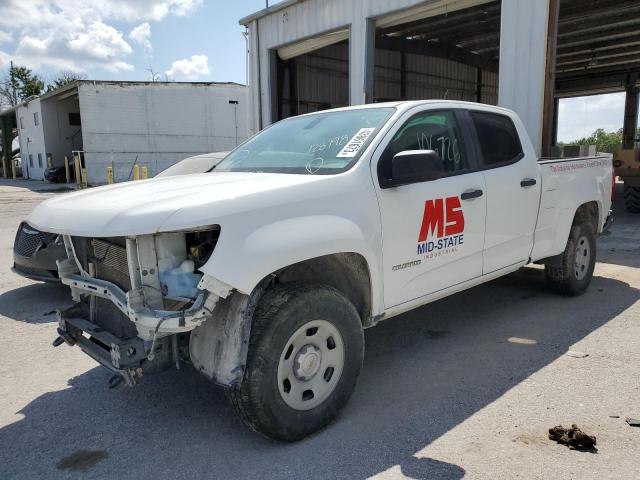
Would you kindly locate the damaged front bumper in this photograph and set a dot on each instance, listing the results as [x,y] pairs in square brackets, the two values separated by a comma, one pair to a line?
[148,322]
[140,334]
[123,357]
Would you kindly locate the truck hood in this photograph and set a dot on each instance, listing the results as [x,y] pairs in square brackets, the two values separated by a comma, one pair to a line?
[166,204]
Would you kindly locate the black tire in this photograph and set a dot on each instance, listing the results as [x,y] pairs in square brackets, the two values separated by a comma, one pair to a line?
[564,278]
[282,311]
[632,198]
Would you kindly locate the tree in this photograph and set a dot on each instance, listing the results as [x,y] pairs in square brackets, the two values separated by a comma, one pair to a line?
[156,77]
[65,78]
[604,141]
[19,84]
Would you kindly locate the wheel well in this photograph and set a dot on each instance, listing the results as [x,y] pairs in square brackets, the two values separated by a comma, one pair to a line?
[590,213]
[346,272]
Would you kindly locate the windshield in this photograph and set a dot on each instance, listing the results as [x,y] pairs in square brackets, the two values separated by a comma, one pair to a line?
[321,144]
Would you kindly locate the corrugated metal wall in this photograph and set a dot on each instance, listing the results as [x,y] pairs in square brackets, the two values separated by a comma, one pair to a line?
[321,80]
[430,77]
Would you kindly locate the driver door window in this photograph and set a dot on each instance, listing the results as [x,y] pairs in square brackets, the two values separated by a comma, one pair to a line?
[431,130]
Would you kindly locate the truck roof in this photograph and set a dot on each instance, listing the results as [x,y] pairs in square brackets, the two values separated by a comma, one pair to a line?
[406,104]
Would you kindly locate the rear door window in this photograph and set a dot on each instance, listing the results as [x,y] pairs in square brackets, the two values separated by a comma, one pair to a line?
[498,138]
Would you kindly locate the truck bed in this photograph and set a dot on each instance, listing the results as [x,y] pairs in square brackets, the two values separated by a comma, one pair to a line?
[565,184]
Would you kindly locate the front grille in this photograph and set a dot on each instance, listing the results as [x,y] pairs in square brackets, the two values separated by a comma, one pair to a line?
[28,240]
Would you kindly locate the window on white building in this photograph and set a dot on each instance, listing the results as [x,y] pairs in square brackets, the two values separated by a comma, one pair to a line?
[39,160]
[36,119]
[31,160]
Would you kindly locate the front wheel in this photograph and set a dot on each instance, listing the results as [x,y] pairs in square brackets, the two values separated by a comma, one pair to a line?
[305,354]
[573,275]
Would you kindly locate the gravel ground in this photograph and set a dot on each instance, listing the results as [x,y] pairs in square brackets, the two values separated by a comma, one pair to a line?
[465,387]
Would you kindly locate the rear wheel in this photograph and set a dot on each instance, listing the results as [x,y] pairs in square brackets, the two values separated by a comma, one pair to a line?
[632,198]
[305,354]
[573,275]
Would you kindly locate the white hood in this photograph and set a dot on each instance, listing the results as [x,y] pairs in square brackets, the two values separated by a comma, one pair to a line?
[165,204]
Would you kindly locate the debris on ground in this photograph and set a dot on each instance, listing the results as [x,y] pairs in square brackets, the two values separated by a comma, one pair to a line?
[633,422]
[573,437]
[576,354]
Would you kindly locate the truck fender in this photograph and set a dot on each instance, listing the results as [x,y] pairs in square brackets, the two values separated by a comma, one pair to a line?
[565,220]
[242,260]
[218,348]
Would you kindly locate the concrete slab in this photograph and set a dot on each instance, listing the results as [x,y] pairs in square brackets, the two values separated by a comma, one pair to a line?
[465,387]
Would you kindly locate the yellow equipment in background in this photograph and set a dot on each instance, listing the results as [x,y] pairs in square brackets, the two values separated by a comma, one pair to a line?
[626,163]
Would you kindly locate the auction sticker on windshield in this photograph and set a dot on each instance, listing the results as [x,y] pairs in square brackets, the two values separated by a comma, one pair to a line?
[355,144]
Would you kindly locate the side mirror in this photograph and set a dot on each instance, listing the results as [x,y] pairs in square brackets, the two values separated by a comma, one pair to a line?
[412,166]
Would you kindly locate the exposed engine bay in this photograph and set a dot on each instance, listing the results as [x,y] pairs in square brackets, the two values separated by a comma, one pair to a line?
[138,298]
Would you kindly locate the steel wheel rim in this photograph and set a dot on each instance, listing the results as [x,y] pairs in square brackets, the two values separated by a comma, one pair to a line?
[583,258]
[310,365]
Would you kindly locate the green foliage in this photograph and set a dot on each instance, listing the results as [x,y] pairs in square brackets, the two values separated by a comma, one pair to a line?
[604,141]
[19,84]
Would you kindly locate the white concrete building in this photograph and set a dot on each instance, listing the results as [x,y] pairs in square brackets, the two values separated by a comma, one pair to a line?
[31,138]
[308,55]
[153,124]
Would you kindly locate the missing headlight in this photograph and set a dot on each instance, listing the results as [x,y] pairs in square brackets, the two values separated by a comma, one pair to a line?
[201,244]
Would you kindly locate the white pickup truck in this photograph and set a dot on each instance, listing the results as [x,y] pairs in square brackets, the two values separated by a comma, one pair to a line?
[263,272]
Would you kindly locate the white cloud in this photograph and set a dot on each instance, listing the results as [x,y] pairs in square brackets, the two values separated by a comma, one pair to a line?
[189,68]
[77,34]
[75,47]
[142,35]
[142,9]
[4,59]
[5,37]
[579,117]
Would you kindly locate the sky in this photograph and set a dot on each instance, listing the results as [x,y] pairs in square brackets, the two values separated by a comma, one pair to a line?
[579,117]
[180,40]
[198,40]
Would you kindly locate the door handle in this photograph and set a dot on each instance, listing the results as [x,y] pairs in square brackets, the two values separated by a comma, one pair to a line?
[528,182]
[471,194]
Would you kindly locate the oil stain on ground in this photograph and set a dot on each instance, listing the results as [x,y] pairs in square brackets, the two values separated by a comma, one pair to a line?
[82,460]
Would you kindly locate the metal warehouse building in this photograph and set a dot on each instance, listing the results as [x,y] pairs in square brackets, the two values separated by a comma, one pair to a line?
[154,124]
[309,55]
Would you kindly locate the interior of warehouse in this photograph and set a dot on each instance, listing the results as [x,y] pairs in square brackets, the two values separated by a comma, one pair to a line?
[313,80]
[453,56]
[597,50]
[592,47]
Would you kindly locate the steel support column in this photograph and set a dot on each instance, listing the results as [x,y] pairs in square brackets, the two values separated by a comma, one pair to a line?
[369,59]
[523,46]
[630,126]
[549,114]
